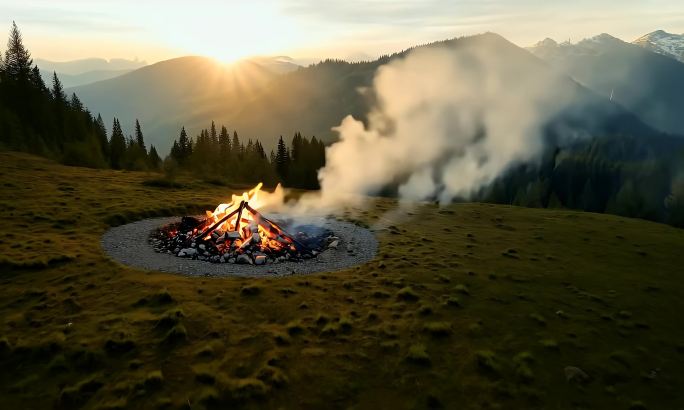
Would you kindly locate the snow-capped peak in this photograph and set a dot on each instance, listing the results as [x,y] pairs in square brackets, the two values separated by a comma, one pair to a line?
[662,42]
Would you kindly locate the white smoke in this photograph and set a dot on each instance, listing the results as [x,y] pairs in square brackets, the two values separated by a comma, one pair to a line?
[448,121]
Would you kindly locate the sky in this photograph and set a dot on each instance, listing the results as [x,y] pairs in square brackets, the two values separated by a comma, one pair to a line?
[309,30]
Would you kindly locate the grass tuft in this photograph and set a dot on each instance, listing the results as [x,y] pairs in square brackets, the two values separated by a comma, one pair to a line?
[154,380]
[76,395]
[438,329]
[175,335]
[407,294]
[487,362]
[250,290]
[418,355]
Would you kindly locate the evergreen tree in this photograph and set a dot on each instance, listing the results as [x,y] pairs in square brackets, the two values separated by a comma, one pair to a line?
[224,143]
[57,89]
[101,135]
[42,121]
[184,149]
[76,103]
[282,159]
[176,151]
[214,137]
[235,144]
[154,159]
[139,135]
[37,79]
[117,146]
[18,62]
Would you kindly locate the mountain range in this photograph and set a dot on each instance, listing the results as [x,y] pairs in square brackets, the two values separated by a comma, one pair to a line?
[269,97]
[85,71]
[646,82]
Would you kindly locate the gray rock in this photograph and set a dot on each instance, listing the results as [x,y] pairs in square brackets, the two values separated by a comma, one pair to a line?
[333,244]
[203,247]
[187,252]
[243,259]
[260,260]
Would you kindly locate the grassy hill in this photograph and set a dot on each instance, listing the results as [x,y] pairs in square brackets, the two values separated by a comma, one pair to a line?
[471,306]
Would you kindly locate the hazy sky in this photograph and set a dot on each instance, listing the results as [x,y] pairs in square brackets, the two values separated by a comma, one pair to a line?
[154,30]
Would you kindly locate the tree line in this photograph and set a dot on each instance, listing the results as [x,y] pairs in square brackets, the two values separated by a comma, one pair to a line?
[216,155]
[45,121]
[621,175]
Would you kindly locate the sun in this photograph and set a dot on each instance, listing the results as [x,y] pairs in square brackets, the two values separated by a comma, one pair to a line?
[233,32]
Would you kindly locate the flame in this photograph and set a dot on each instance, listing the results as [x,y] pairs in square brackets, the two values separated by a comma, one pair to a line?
[257,200]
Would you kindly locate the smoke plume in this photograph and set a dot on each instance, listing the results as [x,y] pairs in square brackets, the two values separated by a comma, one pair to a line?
[447,122]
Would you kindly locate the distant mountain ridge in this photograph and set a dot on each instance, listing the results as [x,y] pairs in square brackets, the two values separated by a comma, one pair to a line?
[662,42]
[263,102]
[173,93]
[85,65]
[87,70]
[649,84]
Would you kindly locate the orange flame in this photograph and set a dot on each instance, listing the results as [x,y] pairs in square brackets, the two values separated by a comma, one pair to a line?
[247,226]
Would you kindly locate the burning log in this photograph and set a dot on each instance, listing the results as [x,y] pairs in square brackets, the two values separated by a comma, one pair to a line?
[238,233]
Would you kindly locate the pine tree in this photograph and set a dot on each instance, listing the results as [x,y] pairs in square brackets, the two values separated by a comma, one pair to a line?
[101,134]
[235,145]
[18,60]
[37,79]
[224,143]
[154,159]
[282,159]
[57,89]
[117,146]
[184,147]
[139,135]
[76,103]
[175,153]
[214,137]
[259,150]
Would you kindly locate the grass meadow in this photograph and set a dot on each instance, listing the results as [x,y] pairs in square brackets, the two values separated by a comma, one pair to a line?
[471,306]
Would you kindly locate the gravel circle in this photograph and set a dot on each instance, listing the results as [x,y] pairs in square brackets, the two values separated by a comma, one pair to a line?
[129,244]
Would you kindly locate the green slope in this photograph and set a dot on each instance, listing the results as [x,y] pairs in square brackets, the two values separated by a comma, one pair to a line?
[470,306]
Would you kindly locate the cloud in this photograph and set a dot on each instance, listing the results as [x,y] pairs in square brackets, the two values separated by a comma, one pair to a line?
[67,18]
[424,13]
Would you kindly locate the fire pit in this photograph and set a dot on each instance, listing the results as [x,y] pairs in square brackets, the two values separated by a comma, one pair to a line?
[238,233]
[240,239]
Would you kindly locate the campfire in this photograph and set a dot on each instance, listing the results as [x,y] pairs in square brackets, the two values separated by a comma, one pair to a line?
[236,232]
